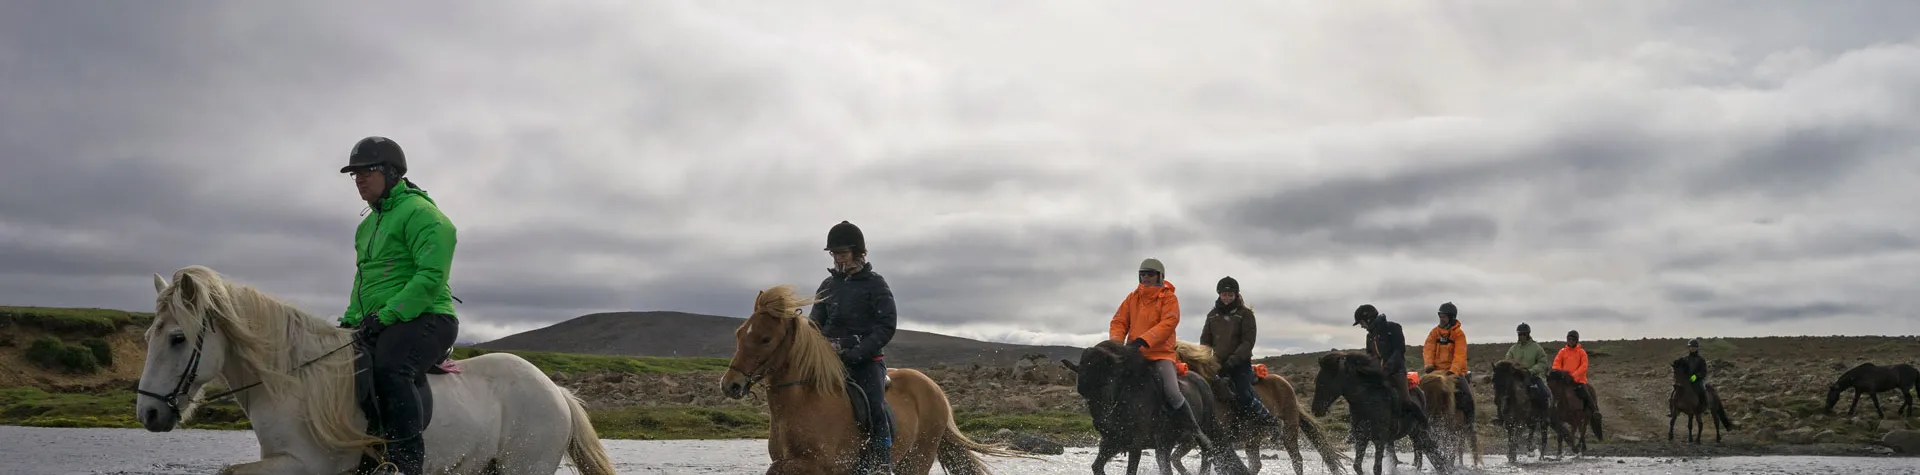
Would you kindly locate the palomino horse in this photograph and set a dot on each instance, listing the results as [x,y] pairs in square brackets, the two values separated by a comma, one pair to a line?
[1570,411]
[1378,413]
[814,431]
[1872,379]
[500,414]
[1450,418]
[1685,401]
[1277,394]
[1129,410]
[1520,412]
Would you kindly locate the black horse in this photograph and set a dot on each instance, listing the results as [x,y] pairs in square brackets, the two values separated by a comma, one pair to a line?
[1873,379]
[1522,412]
[1131,415]
[1377,413]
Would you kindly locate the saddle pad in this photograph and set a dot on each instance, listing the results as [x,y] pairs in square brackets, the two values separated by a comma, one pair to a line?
[446,366]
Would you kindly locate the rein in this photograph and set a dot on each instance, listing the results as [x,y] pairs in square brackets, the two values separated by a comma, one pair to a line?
[172,399]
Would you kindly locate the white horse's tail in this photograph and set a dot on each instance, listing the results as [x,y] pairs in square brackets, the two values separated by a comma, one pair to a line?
[589,457]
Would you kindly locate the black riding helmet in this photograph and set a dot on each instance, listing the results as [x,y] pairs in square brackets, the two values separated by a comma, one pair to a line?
[1523,328]
[846,235]
[1449,310]
[1365,313]
[1227,284]
[1693,343]
[377,151]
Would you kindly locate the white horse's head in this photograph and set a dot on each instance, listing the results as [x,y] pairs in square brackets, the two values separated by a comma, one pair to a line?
[185,350]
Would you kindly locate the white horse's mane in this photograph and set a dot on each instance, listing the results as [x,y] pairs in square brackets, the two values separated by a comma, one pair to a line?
[271,339]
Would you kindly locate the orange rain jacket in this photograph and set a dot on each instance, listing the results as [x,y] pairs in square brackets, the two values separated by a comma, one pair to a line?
[1151,314]
[1572,359]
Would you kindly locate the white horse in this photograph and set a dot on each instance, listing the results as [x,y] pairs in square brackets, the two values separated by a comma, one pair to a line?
[499,415]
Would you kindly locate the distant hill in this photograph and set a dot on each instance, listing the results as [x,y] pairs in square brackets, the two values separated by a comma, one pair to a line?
[687,334]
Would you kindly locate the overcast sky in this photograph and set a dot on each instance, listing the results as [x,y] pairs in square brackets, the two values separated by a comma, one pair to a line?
[1630,169]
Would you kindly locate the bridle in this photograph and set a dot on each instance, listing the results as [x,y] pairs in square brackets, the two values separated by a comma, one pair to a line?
[180,389]
[172,399]
[760,368]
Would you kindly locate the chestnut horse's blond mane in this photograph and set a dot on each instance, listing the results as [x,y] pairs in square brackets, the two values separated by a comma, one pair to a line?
[808,357]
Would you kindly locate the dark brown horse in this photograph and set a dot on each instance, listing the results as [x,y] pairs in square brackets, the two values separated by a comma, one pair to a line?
[1685,401]
[1521,413]
[1377,413]
[1570,411]
[1130,413]
[1873,380]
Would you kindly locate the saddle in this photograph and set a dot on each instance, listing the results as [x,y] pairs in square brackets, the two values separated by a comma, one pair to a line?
[862,418]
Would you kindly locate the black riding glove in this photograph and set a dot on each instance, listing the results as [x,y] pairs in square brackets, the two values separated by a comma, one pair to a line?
[1137,343]
[370,326]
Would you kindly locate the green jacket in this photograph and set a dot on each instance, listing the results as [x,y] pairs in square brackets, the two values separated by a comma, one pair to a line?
[403,254]
[1531,356]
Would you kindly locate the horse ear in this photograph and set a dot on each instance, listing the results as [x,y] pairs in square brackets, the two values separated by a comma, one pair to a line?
[1070,366]
[159,283]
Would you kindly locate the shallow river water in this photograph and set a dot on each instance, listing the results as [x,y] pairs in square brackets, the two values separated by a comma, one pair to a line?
[27,450]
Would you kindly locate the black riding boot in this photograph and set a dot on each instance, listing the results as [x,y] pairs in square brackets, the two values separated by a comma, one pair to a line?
[1183,419]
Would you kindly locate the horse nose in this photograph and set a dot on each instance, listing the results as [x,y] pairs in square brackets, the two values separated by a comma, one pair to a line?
[148,415]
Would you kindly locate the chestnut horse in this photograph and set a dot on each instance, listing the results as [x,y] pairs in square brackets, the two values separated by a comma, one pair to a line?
[813,429]
[1452,424]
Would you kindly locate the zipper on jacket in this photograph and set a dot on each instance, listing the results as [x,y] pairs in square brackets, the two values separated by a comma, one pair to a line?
[360,300]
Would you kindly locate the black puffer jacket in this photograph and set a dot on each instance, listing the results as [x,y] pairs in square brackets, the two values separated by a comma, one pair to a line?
[1386,342]
[856,309]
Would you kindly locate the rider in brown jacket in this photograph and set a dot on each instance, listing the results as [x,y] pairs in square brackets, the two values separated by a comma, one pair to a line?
[1230,333]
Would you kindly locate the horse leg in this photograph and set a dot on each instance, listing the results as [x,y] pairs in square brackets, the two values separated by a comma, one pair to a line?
[1360,456]
[1180,452]
[268,465]
[1856,401]
[1107,451]
[1291,442]
[1133,462]
[1672,416]
[1876,405]
[1164,455]
[1253,453]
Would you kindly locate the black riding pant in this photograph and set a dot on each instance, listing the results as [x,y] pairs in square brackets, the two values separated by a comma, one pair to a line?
[1586,397]
[1242,378]
[871,376]
[1537,389]
[401,354]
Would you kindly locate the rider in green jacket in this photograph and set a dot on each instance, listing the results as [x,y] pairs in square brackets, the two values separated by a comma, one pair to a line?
[402,307]
[1528,354]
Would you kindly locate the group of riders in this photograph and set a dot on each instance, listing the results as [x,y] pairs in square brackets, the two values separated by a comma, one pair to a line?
[401,310]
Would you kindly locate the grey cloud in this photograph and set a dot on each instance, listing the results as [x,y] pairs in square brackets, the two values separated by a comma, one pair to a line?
[1761,314]
[175,135]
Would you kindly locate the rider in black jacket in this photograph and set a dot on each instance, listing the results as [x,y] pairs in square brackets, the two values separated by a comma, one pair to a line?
[1386,343]
[1697,370]
[856,313]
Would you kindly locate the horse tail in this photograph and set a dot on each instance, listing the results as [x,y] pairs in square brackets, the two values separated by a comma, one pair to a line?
[1474,436]
[1720,412]
[584,446]
[1594,418]
[1317,435]
[956,452]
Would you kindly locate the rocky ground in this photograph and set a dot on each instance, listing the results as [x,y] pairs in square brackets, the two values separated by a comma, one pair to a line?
[1774,389]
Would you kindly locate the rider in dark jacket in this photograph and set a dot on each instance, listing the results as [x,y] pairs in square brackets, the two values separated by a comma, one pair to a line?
[1696,370]
[1230,332]
[1386,343]
[856,313]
